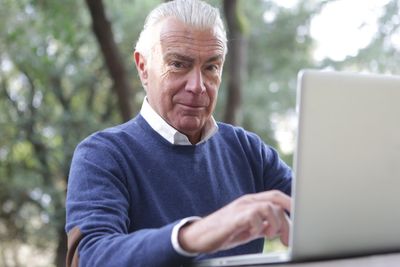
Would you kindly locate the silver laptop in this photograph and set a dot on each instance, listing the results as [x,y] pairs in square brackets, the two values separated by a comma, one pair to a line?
[346,192]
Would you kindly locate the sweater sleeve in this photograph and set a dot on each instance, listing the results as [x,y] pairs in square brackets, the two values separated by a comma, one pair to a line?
[269,171]
[98,216]
[277,174]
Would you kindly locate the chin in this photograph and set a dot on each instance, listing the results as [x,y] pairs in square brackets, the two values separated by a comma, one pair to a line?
[190,127]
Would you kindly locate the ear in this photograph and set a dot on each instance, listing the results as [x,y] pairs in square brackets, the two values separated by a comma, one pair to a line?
[141,66]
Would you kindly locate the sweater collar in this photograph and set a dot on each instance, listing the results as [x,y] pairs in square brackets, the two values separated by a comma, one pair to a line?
[173,136]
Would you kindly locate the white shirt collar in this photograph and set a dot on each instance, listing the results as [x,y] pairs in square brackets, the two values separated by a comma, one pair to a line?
[170,133]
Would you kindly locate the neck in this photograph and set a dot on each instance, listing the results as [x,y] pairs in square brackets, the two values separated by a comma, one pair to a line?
[194,138]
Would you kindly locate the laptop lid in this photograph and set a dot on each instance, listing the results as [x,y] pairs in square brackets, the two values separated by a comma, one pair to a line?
[347,165]
[346,190]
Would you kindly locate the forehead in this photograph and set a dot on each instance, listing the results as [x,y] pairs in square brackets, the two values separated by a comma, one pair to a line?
[174,36]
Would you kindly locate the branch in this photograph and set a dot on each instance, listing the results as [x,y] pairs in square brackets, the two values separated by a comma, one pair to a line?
[104,35]
[40,148]
[55,81]
[106,114]
[8,96]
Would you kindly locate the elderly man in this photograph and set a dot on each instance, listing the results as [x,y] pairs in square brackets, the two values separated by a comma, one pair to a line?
[172,185]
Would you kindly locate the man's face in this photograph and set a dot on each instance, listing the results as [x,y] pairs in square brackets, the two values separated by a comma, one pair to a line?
[182,76]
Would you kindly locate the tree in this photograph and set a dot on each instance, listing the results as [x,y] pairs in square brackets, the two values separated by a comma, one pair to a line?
[55,91]
[279,45]
[43,53]
[236,60]
[383,52]
[102,30]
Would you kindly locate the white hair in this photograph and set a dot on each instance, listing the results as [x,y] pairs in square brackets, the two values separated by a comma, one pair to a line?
[195,13]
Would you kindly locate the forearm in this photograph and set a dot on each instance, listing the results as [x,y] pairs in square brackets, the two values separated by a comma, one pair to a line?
[99,212]
[147,248]
[247,218]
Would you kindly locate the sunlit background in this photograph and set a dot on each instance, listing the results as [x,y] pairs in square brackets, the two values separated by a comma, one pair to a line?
[341,29]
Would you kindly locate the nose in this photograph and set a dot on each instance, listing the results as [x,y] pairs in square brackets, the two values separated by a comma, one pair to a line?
[195,82]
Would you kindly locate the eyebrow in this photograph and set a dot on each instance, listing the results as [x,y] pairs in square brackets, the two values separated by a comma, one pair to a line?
[178,56]
[190,59]
[215,58]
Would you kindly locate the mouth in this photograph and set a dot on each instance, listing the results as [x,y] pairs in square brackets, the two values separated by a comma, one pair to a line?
[191,109]
[192,106]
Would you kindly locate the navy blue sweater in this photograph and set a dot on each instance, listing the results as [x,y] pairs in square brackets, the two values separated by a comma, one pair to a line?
[128,187]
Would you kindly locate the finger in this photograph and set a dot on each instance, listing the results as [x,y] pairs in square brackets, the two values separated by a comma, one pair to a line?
[240,225]
[275,196]
[250,226]
[260,219]
[285,230]
[253,218]
[273,218]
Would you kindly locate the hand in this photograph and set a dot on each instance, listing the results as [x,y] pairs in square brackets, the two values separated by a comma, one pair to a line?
[247,218]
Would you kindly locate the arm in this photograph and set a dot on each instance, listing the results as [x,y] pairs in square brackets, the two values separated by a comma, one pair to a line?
[251,216]
[277,175]
[247,218]
[98,219]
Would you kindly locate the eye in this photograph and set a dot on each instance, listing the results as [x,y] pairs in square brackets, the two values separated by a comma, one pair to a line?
[212,67]
[177,64]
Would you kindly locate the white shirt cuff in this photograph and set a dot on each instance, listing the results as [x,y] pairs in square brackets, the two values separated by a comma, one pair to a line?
[174,236]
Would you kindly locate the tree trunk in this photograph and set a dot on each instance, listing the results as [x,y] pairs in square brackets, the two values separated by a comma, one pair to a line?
[61,252]
[236,62]
[104,35]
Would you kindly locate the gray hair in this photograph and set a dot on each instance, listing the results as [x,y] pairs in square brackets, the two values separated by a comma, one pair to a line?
[194,13]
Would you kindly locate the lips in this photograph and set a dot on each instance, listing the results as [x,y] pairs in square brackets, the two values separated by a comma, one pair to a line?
[191,107]
[191,103]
